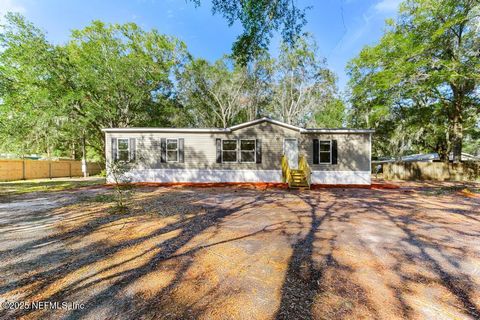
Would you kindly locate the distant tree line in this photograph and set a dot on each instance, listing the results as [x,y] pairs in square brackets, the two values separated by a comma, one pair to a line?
[55,97]
[418,87]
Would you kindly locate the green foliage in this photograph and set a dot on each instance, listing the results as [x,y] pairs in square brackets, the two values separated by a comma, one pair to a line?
[46,185]
[296,88]
[213,93]
[224,93]
[106,76]
[112,75]
[332,115]
[122,76]
[28,121]
[259,19]
[471,143]
[418,87]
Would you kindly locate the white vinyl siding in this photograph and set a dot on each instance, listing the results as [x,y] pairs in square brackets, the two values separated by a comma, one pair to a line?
[201,153]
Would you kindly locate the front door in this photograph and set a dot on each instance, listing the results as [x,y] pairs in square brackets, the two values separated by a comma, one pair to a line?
[290,149]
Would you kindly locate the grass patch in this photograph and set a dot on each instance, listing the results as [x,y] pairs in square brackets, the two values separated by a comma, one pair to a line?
[103,198]
[27,186]
[99,198]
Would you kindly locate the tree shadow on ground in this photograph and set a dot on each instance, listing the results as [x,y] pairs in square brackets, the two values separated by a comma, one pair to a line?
[317,280]
[436,259]
[320,281]
[203,217]
[312,258]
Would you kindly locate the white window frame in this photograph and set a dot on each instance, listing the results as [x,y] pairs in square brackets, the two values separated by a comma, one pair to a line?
[320,151]
[166,150]
[236,150]
[118,149]
[254,150]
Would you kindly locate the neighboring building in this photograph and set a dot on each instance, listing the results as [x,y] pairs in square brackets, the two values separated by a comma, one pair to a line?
[427,157]
[248,152]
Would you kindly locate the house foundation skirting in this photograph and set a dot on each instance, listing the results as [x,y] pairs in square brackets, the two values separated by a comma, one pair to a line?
[267,176]
[204,175]
[341,177]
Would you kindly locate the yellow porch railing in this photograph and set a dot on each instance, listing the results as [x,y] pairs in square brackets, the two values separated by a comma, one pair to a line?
[286,173]
[291,176]
[303,165]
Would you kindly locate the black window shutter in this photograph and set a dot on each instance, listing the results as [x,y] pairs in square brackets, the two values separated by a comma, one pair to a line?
[219,150]
[181,157]
[334,152]
[258,150]
[163,150]
[316,152]
[133,149]
[114,149]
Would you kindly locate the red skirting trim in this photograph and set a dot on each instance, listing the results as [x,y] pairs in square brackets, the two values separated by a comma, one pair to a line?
[376,186]
[382,186]
[258,185]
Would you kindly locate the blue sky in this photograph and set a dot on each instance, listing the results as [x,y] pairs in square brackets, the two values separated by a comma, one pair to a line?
[341,27]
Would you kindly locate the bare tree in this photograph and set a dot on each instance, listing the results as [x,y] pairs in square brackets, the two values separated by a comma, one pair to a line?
[214,93]
[258,91]
[303,85]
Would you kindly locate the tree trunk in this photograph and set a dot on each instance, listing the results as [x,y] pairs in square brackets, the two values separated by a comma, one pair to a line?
[457,127]
[84,158]
[442,150]
[73,154]
[457,139]
[252,112]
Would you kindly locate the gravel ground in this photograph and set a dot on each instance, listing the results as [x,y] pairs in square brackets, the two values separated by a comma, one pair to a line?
[237,253]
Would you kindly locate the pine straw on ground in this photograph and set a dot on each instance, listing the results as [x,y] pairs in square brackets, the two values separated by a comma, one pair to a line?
[242,253]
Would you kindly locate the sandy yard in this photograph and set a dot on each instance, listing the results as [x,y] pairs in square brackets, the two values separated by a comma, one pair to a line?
[239,253]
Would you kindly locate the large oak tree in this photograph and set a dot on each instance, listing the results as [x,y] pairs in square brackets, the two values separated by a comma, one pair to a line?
[260,19]
[419,86]
[105,76]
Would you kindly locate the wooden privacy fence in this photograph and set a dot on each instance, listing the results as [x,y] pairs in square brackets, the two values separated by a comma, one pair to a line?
[439,171]
[35,169]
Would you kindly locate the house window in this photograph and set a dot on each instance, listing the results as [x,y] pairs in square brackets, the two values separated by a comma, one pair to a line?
[123,150]
[172,150]
[229,150]
[325,151]
[247,150]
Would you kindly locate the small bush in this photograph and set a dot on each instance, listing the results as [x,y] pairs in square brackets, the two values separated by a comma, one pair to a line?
[122,188]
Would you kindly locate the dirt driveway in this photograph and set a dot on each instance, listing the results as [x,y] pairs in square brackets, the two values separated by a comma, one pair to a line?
[231,253]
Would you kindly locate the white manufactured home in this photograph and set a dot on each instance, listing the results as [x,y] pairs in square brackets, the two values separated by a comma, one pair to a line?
[262,150]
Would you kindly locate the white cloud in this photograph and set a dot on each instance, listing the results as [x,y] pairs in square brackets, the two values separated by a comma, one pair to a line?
[10,6]
[372,19]
[387,6]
